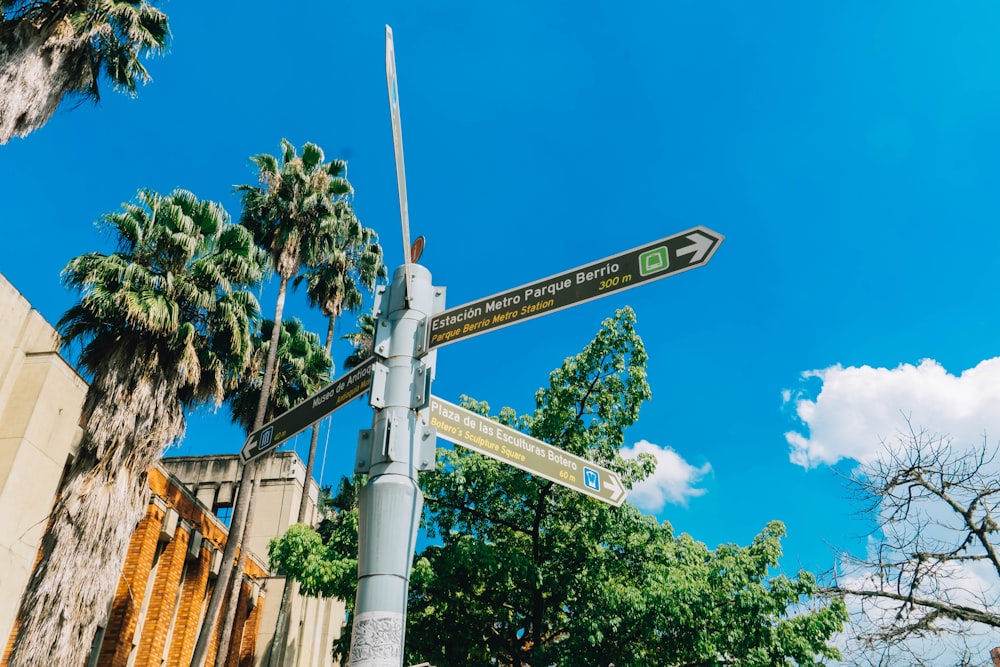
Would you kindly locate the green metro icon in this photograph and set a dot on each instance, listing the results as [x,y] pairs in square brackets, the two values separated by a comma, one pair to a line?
[653,261]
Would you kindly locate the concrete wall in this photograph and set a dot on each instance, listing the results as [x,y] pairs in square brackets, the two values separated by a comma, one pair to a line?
[313,623]
[213,480]
[40,401]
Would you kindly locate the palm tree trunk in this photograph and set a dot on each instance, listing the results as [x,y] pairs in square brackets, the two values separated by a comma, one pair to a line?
[36,70]
[272,355]
[104,498]
[237,579]
[279,642]
[313,442]
[240,512]
[329,334]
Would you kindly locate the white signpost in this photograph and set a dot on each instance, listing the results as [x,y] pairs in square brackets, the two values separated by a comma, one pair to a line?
[410,323]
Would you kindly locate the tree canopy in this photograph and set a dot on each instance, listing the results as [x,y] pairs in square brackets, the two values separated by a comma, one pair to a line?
[302,367]
[521,571]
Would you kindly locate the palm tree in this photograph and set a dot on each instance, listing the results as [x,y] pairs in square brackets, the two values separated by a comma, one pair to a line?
[53,48]
[294,214]
[302,367]
[164,324]
[363,341]
[333,286]
[355,261]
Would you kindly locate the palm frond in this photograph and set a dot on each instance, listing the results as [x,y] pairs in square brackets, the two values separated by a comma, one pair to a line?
[363,341]
[113,36]
[312,156]
[302,368]
[168,289]
[287,151]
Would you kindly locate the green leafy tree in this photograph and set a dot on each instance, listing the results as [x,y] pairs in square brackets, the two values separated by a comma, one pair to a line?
[164,324]
[295,213]
[323,561]
[51,49]
[527,572]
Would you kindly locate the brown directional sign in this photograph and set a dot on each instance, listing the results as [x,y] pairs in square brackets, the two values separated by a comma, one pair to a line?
[475,432]
[653,261]
[334,396]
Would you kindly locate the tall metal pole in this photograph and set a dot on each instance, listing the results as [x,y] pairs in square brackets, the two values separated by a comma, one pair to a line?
[397,447]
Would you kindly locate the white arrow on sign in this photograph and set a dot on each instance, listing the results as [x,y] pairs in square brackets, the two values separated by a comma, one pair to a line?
[616,489]
[702,244]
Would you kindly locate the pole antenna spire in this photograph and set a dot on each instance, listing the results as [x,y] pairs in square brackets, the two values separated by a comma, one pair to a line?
[397,143]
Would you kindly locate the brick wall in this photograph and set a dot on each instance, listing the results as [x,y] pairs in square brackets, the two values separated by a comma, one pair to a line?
[163,599]
[177,595]
[131,590]
[193,591]
[239,626]
[249,639]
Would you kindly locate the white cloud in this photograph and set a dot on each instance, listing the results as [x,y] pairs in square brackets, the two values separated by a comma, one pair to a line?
[847,413]
[672,482]
[857,408]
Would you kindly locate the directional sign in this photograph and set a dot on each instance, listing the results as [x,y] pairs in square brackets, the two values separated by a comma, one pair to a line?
[334,396]
[629,269]
[475,432]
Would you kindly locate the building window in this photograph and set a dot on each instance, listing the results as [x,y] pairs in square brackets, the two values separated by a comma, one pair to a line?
[224,513]
[95,648]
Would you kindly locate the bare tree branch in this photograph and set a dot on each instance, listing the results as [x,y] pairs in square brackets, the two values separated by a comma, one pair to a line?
[934,506]
[938,609]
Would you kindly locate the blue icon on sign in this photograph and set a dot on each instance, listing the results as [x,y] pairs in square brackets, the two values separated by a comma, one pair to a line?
[591,479]
[265,437]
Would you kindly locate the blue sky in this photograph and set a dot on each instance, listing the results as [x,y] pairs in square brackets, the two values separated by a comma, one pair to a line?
[848,153]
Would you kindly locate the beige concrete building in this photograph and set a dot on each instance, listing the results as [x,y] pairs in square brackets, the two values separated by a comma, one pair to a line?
[41,397]
[40,401]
